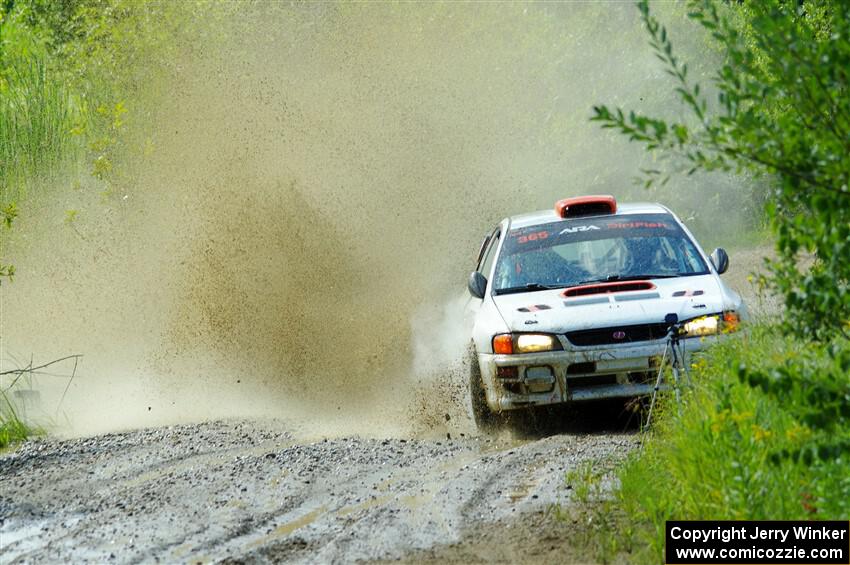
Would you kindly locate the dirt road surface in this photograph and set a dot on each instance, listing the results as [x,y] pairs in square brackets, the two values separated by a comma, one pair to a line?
[254,491]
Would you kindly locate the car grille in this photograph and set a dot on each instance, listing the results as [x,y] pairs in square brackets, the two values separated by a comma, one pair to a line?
[621,334]
[589,381]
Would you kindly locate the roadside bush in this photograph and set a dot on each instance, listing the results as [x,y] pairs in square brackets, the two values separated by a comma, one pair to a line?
[779,106]
[38,112]
[762,436]
[71,75]
[75,77]
[765,433]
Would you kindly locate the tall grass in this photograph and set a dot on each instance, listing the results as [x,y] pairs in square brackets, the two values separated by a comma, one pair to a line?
[12,428]
[38,119]
[762,436]
[68,73]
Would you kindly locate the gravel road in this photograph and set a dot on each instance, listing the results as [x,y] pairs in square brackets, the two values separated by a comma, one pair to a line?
[250,491]
[256,491]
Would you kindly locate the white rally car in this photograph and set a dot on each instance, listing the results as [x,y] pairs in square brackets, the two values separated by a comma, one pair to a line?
[570,304]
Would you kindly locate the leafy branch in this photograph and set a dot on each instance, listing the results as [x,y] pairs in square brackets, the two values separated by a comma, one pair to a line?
[783,111]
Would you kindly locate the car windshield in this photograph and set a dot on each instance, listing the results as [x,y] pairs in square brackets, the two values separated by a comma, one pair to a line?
[595,249]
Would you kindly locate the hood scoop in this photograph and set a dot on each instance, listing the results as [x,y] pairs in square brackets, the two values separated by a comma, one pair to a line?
[607,288]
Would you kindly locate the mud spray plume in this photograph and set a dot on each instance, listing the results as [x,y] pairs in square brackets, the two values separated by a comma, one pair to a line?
[296,242]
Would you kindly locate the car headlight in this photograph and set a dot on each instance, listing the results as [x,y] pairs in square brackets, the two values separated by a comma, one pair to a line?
[711,325]
[525,343]
[706,325]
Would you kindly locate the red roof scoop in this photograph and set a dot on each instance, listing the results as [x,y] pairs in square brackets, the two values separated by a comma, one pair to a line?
[597,205]
[607,288]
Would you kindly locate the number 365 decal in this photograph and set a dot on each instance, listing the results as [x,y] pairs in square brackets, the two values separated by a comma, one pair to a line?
[532,236]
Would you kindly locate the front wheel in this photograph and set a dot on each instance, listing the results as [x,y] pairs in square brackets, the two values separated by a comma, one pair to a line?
[485,419]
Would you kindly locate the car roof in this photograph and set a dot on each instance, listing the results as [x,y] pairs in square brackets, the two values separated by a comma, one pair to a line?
[546,216]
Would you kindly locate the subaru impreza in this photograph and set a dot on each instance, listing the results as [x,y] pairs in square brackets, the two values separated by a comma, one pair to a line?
[573,303]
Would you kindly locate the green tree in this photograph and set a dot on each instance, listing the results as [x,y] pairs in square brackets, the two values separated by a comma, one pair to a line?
[781,108]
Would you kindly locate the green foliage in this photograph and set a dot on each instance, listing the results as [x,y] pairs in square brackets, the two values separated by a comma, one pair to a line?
[37,111]
[813,387]
[762,436]
[12,428]
[7,215]
[766,432]
[68,69]
[12,431]
[37,114]
[600,531]
[782,109]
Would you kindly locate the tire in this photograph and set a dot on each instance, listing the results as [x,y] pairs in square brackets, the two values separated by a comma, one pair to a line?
[485,419]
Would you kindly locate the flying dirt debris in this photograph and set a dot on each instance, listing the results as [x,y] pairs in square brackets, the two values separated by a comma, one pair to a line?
[268,302]
[312,189]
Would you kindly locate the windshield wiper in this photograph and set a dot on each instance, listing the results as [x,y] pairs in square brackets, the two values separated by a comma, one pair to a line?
[530,287]
[618,278]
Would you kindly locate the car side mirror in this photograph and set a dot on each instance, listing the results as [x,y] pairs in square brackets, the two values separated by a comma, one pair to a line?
[476,284]
[720,259]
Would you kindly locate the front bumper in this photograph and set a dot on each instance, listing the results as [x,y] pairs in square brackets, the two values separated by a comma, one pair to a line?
[576,373]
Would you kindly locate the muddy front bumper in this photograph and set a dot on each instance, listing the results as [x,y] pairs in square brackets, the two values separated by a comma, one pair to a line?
[576,373]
